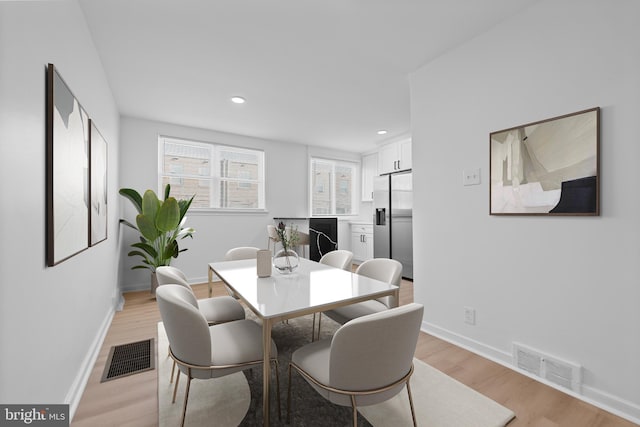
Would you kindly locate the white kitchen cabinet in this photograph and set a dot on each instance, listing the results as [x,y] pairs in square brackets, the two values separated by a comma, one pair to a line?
[394,157]
[369,172]
[361,241]
[405,154]
[387,158]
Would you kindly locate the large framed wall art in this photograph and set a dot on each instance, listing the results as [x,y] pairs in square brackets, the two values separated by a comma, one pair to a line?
[549,167]
[97,186]
[67,186]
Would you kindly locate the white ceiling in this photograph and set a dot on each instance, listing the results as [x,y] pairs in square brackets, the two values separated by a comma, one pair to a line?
[318,72]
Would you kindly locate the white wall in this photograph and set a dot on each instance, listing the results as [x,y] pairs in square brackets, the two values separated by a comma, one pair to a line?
[567,286]
[286,194]
[51,319]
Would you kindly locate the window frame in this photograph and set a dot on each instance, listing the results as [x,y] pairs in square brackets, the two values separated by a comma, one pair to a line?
[214,177]
[355,185]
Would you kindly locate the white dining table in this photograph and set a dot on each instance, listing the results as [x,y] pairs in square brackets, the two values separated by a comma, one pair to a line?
[311,288]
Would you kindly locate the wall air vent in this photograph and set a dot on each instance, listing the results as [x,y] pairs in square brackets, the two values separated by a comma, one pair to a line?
[561,372]
[527,360]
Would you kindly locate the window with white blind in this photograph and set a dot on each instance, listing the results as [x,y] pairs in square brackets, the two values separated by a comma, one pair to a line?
[220,176]
[333,187]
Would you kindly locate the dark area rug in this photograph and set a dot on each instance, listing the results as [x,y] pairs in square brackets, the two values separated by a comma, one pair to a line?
[308,408]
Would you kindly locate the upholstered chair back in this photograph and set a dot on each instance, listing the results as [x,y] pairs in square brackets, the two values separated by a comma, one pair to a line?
[243,252]
[373,351]
[186,328]
[168,275]
[338,258]
[383,269]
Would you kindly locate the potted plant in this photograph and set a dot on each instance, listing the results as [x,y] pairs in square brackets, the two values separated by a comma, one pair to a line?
[286,260]
[160,224]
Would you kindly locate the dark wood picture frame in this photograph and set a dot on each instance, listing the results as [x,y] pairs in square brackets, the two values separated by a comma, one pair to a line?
[97,185]
[67,170]
[549,167]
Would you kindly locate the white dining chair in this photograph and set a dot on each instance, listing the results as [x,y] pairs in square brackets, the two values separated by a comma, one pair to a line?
[205,351]
[241,252]
[367,361]
[272,237]
[383,269]
[338,258]
[303,241]
[216,309]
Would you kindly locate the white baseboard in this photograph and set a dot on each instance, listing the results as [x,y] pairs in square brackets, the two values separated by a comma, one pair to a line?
[491,353]
[615,405]
[119,303]
[205,279]
[593,396]
[79,383]
[133,287]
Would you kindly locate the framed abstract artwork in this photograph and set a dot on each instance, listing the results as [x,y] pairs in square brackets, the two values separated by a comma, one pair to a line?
[67,169]
[549,167]
[97,185]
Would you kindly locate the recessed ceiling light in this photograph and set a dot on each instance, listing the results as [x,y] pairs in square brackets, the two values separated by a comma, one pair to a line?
[238,100]
[382,132]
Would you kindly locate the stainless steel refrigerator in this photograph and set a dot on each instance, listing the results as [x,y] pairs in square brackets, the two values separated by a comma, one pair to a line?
[393,221]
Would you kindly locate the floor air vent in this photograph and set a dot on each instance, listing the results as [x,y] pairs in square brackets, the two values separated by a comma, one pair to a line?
[552,369]
[128,359]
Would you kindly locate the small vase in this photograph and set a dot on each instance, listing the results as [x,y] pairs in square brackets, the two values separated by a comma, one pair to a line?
[285,261]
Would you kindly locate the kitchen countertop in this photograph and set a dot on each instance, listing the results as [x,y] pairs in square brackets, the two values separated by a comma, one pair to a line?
[292,218]
[361,222]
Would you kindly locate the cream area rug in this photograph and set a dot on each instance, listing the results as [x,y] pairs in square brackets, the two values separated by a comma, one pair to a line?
[439,400]
[220,401]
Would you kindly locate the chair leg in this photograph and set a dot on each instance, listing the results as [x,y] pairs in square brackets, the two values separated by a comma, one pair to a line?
[413,413]
[175,389]
[275,361]
[289,398]
[173,369]
[355,411]
[319,322]
[186,397]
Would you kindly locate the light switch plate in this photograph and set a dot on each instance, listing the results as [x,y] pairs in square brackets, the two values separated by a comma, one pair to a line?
[471,177]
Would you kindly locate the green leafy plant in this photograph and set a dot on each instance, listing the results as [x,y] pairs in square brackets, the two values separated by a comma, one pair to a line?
[286,260]
[289,238]
[160,224]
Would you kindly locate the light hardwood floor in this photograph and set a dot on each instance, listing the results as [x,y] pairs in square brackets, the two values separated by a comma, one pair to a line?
[132,401]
